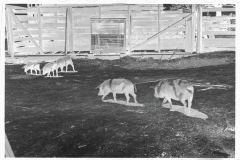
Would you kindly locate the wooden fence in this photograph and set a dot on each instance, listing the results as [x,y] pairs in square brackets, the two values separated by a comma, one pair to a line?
[54,29]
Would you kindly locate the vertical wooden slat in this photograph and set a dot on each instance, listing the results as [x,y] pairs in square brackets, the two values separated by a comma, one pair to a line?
[9,33]
[129,31]
[193,26]
[40,27]
[66,30]
[199,30]
[187,36]
[70,29]
[125,35]
[159,27]
[99,11]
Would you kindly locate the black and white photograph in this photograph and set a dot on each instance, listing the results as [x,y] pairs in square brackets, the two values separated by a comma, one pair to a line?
[88,79]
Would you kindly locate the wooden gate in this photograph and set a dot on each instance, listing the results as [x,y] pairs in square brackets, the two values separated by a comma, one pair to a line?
[55,29]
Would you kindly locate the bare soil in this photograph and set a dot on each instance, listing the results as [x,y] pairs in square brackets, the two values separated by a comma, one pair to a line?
[64,117]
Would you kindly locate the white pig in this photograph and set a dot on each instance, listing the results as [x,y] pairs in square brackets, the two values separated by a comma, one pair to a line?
[64,62]
[50,67]
[32,66]
[117,86]
[180,90]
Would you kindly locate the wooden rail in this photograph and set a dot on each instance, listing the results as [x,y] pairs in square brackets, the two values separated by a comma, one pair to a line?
[149,27]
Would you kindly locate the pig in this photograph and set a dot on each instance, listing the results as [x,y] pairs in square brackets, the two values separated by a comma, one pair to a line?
[32,66]
[50,67]
[64,62]
[118,86]
[180,90]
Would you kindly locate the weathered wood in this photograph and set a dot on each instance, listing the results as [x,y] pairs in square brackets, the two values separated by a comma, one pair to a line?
[99,11]
[66,31]
[129,46]
[40,28]
[26,18]
[163,31]
[205,18]
[159,27]
[207,25]
[9,33]
[16,20]
[219,9]
[70,29]
[219,33]
[193,22]
[219,42]
[199,30]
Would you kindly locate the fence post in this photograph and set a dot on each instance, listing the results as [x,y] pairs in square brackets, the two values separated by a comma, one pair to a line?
[190,32]
[159,27]
[193,28]
[199,29]
[9,33]
[99,11]
[129,45]
[70,16]
[40,28]
[66,37]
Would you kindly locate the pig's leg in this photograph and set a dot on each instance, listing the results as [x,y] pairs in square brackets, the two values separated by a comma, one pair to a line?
[127,97]
[72,66]
[135,97]
[57,72]
[66,67]
[170,102]
[114,96]
[189,105]
[105,94]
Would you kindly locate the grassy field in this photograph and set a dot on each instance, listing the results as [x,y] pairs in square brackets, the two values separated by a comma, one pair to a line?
[64,117]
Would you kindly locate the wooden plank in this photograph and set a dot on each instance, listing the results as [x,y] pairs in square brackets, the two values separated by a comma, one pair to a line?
[53,10]
[193,26]
[52,18]
[26,11]
[26,18]
[219,33]
[81,47]
[164,30]
[219,9]
[44,25]
[40,28]
[154,23]
[109,8]
[146,31]
[99,11]
[70,29]
[159,27]
[9,33]
[32,32]
[66,31]
[199,30]
[206,25]
[219,42]
[129,48]
[26,49]
[208,18]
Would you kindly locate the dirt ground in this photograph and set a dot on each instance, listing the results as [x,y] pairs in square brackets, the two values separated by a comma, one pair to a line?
[64,117]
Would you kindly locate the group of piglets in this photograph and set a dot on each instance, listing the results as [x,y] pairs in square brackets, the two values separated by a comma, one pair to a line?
[49,67]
